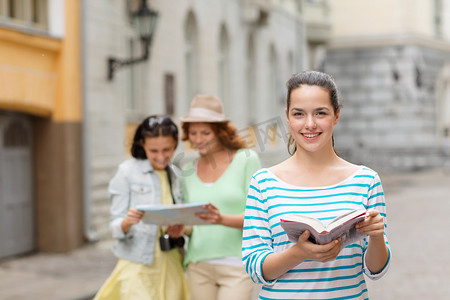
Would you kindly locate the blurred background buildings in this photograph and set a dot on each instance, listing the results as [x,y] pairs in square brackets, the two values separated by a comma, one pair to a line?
[391,60]
[66,119]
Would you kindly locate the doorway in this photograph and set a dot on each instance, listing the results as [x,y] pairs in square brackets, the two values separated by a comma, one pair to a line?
[16,185]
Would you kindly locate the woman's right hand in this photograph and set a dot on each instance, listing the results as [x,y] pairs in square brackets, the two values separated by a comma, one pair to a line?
[310,251]
[133,217]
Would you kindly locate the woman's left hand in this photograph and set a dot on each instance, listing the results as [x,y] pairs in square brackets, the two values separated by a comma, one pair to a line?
[213,215]
[372,225]
[377,253]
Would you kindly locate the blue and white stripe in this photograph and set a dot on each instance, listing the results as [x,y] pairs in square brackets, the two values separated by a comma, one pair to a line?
[269,199]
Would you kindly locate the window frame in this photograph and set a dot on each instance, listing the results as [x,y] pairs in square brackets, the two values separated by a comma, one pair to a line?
[31,15]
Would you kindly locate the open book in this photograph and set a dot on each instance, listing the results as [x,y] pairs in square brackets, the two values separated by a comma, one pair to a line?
[342,226]
[174,214]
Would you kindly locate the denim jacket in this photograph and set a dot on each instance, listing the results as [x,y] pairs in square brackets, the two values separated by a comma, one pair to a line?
[137,183]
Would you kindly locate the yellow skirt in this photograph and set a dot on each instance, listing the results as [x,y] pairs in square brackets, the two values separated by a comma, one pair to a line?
[164,280]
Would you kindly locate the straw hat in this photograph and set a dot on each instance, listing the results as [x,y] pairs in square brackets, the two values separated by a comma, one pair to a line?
[205,108]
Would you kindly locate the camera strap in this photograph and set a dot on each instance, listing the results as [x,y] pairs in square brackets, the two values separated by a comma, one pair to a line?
[169,177]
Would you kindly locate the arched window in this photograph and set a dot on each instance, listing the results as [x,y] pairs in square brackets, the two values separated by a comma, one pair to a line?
[191,58]
[224,66]
[274,80]
[252,108]
[291,68]
[287,72]
[275,93]
[438,16]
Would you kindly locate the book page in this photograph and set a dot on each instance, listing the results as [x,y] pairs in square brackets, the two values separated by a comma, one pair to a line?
[314,223]
[175,214]
[344,218]
[294,230]
[347,231]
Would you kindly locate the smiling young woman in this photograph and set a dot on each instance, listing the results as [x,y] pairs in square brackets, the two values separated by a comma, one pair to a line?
[315,182]
[145,269]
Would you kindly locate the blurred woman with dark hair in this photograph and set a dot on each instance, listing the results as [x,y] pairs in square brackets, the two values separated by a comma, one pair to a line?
[146,270]
[221,177]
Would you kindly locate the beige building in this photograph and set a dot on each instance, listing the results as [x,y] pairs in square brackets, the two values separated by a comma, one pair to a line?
[366,20]
[41,203]
[391,59]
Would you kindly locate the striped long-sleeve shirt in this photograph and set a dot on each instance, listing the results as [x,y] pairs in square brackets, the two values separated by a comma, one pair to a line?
[270,198]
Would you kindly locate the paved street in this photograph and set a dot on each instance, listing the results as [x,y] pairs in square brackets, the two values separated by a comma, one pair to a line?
[418,220]
[72,276]
[418,204]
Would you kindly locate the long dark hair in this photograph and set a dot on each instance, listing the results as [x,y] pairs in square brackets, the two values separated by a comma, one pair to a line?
[311,78]
[152,126]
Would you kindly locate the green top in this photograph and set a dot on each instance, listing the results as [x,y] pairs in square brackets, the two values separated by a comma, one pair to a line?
[229,194]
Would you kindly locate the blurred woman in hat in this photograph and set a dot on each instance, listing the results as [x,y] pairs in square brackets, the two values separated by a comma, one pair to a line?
[220,176]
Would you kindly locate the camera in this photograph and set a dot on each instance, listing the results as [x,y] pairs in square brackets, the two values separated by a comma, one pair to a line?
[167,243]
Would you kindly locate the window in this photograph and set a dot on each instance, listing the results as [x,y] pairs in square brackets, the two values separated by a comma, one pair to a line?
[438,18]
[39,13]
[252,109]
[17,10]
[224,66]
[191,58]
[31,14]
[131,102]
[274,83]
[291,64]
[135,73]
[169,93]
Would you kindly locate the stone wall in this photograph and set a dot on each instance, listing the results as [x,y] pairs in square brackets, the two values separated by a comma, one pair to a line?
[390,108]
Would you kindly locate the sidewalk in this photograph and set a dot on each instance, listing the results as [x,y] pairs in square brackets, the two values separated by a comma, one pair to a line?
[72,276]
[420,267]
[418,206]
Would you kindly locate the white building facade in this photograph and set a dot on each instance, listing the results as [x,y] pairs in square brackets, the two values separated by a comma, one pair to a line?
[241,51]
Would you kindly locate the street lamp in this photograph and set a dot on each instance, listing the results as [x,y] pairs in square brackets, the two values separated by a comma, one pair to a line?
[146,20]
